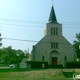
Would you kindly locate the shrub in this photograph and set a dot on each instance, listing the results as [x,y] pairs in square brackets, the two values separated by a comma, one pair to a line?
[37,64]
[55,66]
[74,64]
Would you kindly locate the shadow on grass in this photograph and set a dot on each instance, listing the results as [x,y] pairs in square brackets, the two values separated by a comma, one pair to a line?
[68,73]
[13,70]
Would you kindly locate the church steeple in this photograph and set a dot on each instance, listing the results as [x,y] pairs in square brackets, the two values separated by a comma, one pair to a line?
[52,17]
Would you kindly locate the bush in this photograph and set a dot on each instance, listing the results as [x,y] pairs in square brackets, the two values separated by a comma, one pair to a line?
[37,64]
[55,66]
[74,64]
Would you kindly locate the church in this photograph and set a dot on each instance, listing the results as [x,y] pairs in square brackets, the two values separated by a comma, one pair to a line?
[53,47]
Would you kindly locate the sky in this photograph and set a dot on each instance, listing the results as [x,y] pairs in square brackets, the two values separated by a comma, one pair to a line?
[25,20]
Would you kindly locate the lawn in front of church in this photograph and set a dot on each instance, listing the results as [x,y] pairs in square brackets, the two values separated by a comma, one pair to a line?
[49,74]
[34,79]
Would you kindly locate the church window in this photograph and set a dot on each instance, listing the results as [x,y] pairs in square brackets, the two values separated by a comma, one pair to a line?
[65,59]
[54,45]
[54,31]
[57,45]
[42,58]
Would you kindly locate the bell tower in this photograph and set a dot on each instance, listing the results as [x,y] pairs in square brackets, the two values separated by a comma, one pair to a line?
[53,28]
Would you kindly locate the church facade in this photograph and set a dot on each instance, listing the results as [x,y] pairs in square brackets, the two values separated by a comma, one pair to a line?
[53,47]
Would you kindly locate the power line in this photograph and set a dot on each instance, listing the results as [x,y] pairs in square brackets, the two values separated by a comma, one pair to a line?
[22,32]
[69,25]
[27,31]
[19,40]
[26,21]
[19,25]
[37,34]
[22,21]
[34,22]
[30,40]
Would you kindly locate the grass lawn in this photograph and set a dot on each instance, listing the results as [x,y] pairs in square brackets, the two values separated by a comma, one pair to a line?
[34,79]
[49,74]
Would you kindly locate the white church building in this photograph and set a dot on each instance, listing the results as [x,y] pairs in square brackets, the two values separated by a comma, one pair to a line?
[53,47]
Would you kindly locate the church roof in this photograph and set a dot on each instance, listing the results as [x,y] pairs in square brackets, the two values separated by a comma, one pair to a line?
[52,17]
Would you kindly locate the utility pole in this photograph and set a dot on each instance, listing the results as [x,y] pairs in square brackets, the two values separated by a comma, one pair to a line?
[43,65]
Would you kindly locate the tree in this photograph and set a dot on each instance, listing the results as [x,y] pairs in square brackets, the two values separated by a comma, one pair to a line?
[5,58]
[20,53]
[77,44]
[9,55]
[0,40]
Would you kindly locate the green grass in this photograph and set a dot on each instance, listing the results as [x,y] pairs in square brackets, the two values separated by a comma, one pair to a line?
[34,79]
[13,70]
[49,74]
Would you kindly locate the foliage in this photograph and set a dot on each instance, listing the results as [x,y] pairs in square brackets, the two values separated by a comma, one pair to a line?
[49,74]
[37,64]
[77,44]
[11,56]
[74,64]
[55,66]
[5,58]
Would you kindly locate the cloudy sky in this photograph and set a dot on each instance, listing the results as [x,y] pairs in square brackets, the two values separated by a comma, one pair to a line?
[25,20]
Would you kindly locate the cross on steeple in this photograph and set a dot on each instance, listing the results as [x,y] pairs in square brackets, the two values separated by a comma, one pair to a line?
[52,2]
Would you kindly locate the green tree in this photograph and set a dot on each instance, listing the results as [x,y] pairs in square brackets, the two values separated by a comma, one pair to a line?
[77,44]
[5,58]
[20,53]
[9,55]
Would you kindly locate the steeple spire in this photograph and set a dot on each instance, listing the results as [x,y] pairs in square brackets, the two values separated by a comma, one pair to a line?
[52,2]
[52,17]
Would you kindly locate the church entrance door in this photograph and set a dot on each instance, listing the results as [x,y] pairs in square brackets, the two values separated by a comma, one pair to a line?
[54,60]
